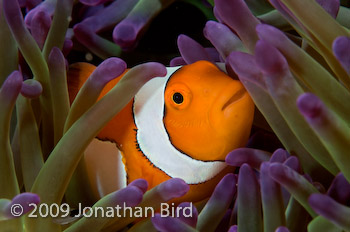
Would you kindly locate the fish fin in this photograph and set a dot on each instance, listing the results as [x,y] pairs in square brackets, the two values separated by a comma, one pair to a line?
[105,167]
[78,73]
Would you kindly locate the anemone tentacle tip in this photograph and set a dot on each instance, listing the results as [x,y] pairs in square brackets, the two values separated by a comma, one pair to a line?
[309,105]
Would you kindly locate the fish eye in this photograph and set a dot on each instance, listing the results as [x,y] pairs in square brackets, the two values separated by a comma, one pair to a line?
[178,98]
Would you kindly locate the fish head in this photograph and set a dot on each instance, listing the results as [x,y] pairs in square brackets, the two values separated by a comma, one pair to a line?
[207,113]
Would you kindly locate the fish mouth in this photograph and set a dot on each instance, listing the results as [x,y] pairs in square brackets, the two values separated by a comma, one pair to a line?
[234,98]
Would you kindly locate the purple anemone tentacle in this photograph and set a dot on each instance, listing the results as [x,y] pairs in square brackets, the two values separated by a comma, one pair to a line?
[341,48]
[191,51]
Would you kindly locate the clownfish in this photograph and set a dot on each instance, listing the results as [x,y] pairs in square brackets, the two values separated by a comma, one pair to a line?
[182,125]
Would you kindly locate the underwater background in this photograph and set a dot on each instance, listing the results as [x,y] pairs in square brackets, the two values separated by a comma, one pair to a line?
[292,56]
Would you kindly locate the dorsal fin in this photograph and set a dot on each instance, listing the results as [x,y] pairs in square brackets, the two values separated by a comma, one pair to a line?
[78,73]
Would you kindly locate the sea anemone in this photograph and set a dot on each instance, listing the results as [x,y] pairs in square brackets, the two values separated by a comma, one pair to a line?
[292,56]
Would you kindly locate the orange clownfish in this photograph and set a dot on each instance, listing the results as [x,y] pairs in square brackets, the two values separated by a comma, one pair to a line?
[180,126]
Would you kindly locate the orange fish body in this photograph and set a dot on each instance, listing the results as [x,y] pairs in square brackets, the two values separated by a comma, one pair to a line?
[181,126]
